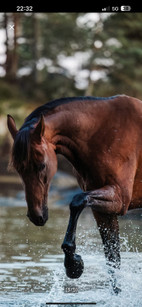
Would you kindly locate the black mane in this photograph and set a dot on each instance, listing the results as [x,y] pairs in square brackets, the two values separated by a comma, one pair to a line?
[21,149]
[61,101]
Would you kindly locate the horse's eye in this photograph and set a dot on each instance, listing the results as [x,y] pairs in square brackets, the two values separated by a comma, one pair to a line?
[41,167]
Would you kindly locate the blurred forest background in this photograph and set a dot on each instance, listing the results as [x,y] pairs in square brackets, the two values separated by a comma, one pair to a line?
[52,55]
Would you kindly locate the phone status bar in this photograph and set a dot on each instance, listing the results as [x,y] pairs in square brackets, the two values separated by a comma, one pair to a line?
[63,7]
[122,8]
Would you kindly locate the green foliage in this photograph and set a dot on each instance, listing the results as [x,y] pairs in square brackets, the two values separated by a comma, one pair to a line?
[43,38]
[113,46]
[13,102]
[125,74]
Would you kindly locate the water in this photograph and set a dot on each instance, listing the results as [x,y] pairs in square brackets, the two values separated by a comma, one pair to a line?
[31,260]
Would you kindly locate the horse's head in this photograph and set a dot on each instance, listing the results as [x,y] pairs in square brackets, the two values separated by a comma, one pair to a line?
[35,160]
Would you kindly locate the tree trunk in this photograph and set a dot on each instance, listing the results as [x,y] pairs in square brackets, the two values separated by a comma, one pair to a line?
[36,49]
[7,53]
[14,66]
[11,64]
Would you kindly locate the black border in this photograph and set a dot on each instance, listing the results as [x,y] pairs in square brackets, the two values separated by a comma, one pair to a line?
[64,7]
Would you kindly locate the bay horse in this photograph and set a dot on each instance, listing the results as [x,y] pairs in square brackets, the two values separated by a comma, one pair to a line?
[102,139]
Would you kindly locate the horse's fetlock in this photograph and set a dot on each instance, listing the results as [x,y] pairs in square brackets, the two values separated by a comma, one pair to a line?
[68,248]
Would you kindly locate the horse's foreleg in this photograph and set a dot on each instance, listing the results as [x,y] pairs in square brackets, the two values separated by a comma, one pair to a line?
[105,203]
[109,230]
[73,262]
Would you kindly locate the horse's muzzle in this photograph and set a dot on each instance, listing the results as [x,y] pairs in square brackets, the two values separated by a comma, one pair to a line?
[38,218]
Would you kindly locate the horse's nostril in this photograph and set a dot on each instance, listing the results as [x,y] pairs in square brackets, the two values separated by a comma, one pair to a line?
[40,219]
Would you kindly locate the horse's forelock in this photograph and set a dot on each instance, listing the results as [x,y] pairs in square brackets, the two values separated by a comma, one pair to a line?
[21,149]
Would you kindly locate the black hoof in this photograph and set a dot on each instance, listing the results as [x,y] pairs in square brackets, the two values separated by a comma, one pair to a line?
[74,266]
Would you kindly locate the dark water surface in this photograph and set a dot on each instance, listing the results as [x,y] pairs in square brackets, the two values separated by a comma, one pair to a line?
[31,260]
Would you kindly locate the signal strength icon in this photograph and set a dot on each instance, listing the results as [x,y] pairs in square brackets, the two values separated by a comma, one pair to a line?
[106,9]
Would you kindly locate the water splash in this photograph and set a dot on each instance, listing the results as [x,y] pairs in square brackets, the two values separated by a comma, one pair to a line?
[32,270]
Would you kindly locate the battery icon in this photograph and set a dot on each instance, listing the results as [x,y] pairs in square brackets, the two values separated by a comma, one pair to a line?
[125,8]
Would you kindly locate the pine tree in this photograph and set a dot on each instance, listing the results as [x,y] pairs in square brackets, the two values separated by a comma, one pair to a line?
[122,45]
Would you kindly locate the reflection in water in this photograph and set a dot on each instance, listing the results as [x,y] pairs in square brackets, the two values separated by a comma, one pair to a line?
[31,261]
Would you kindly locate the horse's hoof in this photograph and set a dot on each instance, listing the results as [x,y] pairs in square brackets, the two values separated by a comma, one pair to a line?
[74,266]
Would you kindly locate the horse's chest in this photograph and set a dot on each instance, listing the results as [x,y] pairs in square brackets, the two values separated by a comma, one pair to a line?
[86,181]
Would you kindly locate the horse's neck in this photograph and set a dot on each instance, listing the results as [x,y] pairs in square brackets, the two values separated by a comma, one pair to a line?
[63,130]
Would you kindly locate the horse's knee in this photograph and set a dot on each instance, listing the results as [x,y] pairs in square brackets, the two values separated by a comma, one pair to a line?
[107,200]
[78,203]
[106,207]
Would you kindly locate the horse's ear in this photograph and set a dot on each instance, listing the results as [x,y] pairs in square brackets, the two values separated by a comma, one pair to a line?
[39,130]
[11,126]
